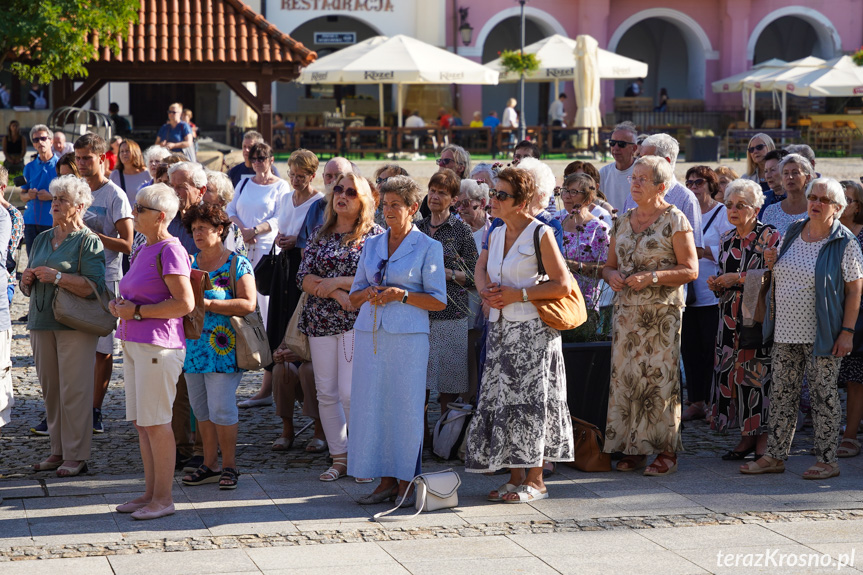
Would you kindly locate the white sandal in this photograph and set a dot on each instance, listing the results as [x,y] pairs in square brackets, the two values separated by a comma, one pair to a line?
[848,451]
[502,490]
[527,494]
[333,474]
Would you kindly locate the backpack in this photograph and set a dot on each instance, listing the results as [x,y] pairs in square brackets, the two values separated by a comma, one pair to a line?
[40,103]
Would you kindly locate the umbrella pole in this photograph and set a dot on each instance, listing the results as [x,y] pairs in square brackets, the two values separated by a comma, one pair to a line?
[381,103]
[784,114]
[752,108]
[400,96]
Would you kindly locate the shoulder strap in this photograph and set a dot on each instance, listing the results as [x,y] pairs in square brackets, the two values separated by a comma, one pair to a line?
[234,264]
[242,185]
[159,260]
[710,221]
[537,246]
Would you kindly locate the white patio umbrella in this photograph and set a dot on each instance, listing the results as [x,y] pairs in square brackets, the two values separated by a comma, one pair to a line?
[398,60]
[587,83]
[772,79]
[839,77]
[735,83]
[556,56]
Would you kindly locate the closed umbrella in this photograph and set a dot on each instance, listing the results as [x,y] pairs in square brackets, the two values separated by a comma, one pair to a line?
[587,84]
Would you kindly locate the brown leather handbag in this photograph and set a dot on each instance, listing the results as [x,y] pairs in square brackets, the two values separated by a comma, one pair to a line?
[588,441]
[193,322]
[569,312]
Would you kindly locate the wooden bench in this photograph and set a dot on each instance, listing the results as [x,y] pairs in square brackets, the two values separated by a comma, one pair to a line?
[474,140]
[368,140]
[637,104]
[568,140]
[683,105]
[737,141]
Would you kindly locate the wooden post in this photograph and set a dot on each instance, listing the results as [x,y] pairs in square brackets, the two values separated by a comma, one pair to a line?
[265,114]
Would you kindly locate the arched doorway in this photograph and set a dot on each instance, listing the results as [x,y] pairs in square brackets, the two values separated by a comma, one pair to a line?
[792,33]
[506,35]
[673,45]
[289,94]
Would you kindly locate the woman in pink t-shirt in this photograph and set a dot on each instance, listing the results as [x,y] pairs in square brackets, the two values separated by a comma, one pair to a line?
[151,306]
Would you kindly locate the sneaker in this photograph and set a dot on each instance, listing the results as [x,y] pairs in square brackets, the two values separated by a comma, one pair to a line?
[97,421]
[41,429]
[193,464]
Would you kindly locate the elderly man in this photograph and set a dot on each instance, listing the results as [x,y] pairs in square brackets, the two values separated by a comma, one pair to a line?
[176,135]
[110,216]
[35,194]
[678,195]
[245,170]
[315,216]
[60,146]
[614,178]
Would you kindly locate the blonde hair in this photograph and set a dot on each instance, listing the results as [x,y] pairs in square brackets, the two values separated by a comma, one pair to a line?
[751,167]
[304,160]
[366,219]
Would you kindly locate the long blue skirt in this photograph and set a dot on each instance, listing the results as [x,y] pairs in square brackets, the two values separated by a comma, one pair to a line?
[385,433]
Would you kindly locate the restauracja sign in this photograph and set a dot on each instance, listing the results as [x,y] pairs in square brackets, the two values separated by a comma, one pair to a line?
[339,5]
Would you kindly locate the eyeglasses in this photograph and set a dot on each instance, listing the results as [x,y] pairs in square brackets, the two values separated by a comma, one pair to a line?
[620,143]
[694,183]
[41,139]
[348,192]
[381,273]
[466,205]
[739,206]
[756,148]
[575,192]
[139,208]
[849,201]
[640,181]
[444,161]
[823,200]
[259,159]
[499,194]
[173,111]
[381,181]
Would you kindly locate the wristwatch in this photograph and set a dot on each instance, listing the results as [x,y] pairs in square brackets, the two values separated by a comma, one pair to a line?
[405,297]
[137,314]
[57,278]
[655,278]
[524,295]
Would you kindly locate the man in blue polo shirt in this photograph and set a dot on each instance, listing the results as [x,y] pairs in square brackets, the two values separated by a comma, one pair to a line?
[35,194]
[176,135]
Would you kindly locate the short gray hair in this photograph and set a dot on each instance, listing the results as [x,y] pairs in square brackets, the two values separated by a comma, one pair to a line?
[474,190]
[161,197]
[800,162]
[803,150]
[76,188]
[543,177]
[193,170]
[41,128]
[834,192]
[220,183]
[461,157]
[665,145]
[749,190]
[483,169]
[406,188]
[659,168]
[256,137]
[628,126]
[155,153]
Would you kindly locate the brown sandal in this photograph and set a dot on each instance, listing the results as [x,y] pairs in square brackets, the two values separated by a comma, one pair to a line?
[664,464]
[631,462]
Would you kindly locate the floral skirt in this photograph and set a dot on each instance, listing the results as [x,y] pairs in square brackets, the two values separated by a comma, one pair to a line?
[522,417]
[447,368]
[644,394]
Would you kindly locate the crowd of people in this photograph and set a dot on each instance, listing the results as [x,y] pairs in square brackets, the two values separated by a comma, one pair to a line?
[377,270]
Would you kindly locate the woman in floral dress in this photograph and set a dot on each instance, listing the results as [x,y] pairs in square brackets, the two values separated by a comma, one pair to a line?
[742,377]
[585,236]
[652,254]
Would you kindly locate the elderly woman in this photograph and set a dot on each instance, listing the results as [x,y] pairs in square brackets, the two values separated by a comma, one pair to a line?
[522,417]
[153,157]
[448,353]
[154,297]
[758,147]
[210,367]
[326,274]
[817,281]
[698,332]
[652,255]
[400,278]
[382,174]
[797,172]
[220,192]
[851,372]
[585,236]
[66,256]
[453,158]
[725,175]
[742,376]
[131,172]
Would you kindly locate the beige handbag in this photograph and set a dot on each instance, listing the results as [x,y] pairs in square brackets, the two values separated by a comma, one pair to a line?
[435,490]
[90,315]
[297,341]
[252,345]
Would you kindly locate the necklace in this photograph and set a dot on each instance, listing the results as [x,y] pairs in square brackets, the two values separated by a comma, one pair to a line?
[344,350]
[809,234]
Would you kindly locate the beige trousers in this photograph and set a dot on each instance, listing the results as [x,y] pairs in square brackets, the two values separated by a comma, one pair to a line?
[65,360]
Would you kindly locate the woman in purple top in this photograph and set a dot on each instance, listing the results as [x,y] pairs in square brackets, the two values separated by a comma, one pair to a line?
[154,296]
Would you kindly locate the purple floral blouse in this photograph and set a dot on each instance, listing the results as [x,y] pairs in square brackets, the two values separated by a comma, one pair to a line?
[588,244]
[327,257]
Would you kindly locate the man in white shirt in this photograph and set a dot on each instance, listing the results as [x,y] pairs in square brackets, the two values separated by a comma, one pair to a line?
[415,120]
[614,178]
[557,111]
[60,146]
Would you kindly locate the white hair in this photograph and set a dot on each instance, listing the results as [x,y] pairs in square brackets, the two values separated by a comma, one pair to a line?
[473,190]
[155,153]
[483,171]
[800,162]
[74,187]
[194,171]
[749,190]
[660,170]
[665,146]
[41,128]
[161,197]
[834,191]
[542,176]
[629,127]
[220,183]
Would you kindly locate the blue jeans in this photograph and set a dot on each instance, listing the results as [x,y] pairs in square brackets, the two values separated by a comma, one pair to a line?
[213,396]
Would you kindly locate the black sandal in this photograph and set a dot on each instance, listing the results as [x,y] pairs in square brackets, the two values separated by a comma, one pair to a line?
[201,476]
[229,477]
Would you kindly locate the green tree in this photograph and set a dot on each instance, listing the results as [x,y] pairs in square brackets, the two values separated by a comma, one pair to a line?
[43,40]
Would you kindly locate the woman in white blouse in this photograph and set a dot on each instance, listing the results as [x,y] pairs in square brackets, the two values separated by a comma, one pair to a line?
[254,210]
[510,117]
[818,276]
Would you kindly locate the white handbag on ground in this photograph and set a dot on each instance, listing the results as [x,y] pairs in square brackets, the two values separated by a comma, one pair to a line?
[436,490]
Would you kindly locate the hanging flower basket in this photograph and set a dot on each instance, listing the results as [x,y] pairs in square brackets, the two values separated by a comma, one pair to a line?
[858,57]
[514,62]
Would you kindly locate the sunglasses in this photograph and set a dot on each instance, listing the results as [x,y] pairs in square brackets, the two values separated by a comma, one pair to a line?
[348,192]
[41,139]
[500,195]
[756,148]
[139,208]
[620,143]
[381,273]
[259,159]
[444,161]
[739,206]
[823,200]
[694,183]
[466,205]
[173,111]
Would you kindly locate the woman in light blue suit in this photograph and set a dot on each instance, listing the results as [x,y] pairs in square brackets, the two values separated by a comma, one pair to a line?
[400,278]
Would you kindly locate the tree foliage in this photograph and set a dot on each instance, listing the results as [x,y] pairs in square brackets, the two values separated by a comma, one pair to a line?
[43,40]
